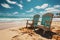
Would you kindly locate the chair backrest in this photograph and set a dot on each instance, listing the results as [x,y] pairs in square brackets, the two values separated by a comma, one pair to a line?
[35,19]
[47,19]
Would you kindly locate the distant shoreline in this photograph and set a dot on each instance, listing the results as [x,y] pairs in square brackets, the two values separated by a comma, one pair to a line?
[32,17]
[22,19]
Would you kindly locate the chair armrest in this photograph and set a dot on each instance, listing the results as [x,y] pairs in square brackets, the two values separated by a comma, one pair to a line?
[39,21]
[29,20]
[33,20]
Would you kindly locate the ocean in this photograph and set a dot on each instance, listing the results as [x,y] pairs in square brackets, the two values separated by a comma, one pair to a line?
[21,19]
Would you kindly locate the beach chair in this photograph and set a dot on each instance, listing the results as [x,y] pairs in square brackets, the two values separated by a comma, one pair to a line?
[34,21]
[46,22]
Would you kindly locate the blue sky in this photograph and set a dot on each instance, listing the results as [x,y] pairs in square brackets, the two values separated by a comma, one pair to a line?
[27,8]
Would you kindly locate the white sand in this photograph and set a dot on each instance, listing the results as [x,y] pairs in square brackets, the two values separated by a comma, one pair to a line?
[5,25]
[6,34]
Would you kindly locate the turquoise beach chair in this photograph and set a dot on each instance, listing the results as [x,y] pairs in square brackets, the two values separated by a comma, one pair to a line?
[34,21]
[46,21]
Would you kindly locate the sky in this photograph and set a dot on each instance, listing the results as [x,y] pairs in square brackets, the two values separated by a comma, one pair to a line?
[27,8]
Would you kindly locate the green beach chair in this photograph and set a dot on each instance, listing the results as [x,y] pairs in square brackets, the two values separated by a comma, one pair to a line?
[34,21]
[46,21]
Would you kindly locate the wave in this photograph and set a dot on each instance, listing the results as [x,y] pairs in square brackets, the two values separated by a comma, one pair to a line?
[21,19]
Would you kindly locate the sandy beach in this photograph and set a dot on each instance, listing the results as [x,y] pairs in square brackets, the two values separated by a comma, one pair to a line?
[7,34]
[5,25]
[22,23]
[29,19]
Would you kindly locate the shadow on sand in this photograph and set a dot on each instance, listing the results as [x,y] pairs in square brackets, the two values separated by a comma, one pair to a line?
[48,34]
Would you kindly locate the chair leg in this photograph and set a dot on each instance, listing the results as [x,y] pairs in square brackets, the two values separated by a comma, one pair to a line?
[26,23]
[50,35]
[43,32]
[34,28]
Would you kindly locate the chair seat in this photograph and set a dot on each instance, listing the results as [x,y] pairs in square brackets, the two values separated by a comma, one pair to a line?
[29,23]
[42,27]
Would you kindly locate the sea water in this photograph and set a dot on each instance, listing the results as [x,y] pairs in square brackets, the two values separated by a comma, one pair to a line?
[22,19]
